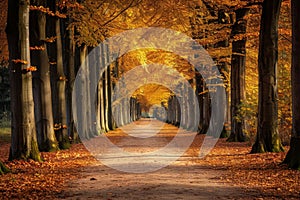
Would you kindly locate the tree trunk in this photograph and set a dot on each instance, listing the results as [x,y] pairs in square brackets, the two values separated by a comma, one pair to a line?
[81,105]
[267,139]
[293,156]
[44,120]
[15,78]
[58,78]
[70,74]
[24,143]
[106,88]
[225,73]
[62,133]
[199,90]
[238,61]
[204,105]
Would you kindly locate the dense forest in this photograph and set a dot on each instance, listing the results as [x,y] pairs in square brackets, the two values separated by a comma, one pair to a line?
[74,70]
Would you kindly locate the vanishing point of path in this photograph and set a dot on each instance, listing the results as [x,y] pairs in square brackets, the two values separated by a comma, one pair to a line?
[185,178]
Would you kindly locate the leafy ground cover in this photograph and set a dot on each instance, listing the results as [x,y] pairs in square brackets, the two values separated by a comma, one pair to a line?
[231,163]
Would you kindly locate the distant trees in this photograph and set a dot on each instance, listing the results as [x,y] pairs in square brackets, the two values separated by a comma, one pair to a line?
[293,156]
[267,139]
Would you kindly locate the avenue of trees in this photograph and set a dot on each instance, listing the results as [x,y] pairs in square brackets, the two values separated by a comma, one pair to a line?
[49,40]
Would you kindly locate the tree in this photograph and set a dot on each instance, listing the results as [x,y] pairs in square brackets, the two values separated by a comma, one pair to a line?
[267,139]
[237,80]
[24,143]
[42,93]
[70,74]
[293,156]
[58,79]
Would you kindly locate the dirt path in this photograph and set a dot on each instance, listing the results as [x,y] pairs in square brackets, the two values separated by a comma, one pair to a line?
[183,179]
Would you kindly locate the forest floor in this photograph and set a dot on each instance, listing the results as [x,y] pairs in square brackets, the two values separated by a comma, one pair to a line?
[228,172]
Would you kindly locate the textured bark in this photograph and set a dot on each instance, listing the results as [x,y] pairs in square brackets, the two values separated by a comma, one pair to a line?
[62,132]
[58,77]
[81,107]
[15,79]
[225,73]
[238,61]
[106,90]
[70,74]
[293,156]
[204,104]
[267,139]
[24,142]
[44,116]
[199,90]
[101,105]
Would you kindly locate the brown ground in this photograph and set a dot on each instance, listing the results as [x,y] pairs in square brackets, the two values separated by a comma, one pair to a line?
[228,172]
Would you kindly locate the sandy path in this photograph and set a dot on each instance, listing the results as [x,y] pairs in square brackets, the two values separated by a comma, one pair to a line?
[183,179]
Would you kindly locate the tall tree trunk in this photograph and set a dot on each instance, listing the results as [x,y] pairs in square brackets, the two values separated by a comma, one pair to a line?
[225,73]
[58,78]
[15,78]
[81,108]
[62,133]
[267,139]
[238,61]
[70,74]
[102,90]
[24,143]
[109,93]
[204,104]
[44,121]
[293,156]
[106,98]
[199,90]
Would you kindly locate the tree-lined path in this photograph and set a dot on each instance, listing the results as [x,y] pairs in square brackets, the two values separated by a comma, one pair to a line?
[187,178]
[88,79]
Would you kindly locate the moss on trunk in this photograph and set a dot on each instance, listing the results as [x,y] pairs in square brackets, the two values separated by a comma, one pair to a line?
[65,143]
[3,169]
[34,153]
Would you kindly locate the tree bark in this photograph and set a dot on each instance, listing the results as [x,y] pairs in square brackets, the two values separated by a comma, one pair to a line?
[238,61]
[62,132]
[106,89]
[267,139]
[24,143]
[40,59]
[15,78]
[58,77]
[81,106]
[225,73]
[293,156]
[70,74]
